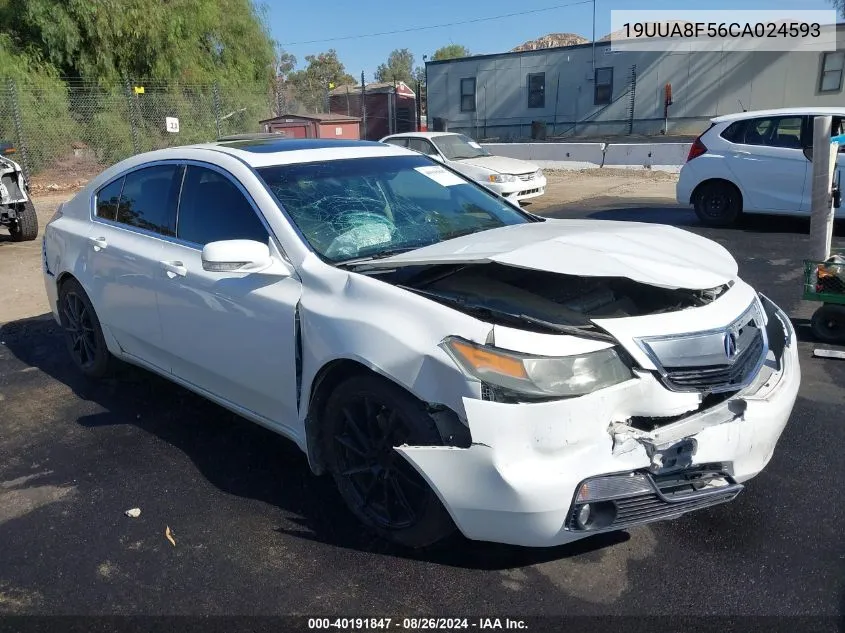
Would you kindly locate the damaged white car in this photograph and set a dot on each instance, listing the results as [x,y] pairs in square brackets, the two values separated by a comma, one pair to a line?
[17,212]
[450,359]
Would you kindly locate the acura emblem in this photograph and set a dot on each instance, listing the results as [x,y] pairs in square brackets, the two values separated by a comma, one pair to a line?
[730,345]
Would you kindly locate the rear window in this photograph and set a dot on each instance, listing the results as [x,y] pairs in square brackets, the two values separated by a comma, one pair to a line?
[149,199]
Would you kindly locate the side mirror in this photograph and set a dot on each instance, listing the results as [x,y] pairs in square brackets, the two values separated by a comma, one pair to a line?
[435,157]
[236,256]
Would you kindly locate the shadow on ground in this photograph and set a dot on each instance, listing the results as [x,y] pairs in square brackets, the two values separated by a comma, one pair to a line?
[241,458]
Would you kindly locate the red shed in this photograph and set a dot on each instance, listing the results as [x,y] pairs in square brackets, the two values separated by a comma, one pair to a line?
[320,125]
[391,108]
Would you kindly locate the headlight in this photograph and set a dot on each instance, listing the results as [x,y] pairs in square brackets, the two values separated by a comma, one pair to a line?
[538,173]
[539,376]
[502,178]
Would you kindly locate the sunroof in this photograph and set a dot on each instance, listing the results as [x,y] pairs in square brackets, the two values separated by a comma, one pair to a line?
[272,145]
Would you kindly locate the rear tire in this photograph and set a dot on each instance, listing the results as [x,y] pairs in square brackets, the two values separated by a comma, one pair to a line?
[718,204]
[83,333]
[365,417]
[25,227]
[828,323]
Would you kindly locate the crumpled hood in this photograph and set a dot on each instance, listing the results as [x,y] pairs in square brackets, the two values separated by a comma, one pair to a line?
[653,254]
[500,164]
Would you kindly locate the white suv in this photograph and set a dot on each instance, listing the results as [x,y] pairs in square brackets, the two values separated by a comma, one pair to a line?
[754,162]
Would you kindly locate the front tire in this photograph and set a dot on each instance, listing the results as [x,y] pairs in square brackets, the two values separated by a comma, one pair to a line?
[828,323]
[83,333]
[364,419]
[25,227]
[718,203]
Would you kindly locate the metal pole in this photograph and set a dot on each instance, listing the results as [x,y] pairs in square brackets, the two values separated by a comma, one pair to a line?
[824,165]
[364,103]
[20,141]
[133,129]
[215,93]
[594,37]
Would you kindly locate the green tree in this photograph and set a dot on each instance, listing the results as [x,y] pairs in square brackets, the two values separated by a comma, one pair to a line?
[311,84]
[450,51]
[839,5]
[192,41]
[399,67]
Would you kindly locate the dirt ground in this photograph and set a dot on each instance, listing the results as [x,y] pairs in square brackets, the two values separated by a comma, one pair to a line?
[22,292]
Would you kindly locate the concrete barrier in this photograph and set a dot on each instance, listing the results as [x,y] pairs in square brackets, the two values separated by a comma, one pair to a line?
[658,156]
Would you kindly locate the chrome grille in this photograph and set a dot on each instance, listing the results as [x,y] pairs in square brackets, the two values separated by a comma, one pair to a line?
[526,177]
[715,361]
[720,377]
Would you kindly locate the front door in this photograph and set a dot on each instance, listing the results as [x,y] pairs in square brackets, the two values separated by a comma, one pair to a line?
[231,334]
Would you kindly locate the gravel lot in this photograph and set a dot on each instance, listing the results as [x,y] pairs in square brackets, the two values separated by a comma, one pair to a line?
[255,533]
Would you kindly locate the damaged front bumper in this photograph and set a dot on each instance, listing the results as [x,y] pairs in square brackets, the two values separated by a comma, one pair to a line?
[532,467]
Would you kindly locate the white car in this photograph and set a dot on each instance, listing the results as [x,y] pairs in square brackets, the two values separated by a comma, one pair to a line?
[754,162]
[450,359]
[511,178]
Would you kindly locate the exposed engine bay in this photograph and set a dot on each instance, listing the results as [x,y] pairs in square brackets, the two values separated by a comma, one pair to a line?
[542,300]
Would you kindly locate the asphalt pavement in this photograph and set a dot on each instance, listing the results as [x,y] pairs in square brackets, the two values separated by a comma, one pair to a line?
[256,534]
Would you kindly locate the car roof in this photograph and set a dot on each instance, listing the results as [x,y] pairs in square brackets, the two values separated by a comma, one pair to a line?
[812,111]
[420,135]
[263,152]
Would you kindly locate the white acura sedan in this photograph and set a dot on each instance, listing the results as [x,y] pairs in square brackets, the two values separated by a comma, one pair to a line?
[511,178]
[451,360]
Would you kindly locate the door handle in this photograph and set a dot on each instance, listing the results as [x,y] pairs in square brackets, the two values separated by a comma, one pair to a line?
[174,269]
[99,243]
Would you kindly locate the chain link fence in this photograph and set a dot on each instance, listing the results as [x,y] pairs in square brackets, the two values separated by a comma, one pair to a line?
[95,126]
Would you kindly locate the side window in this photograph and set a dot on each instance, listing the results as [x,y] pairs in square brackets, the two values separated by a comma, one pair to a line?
[108,198]
[536,90]
[603,86]
[401,142]
[421,145]
[734,132]
[468,94]
[212,209]
[774,132]
[149,198]
[830,77]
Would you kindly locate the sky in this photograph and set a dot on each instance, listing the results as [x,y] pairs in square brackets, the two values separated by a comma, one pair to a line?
[294,23]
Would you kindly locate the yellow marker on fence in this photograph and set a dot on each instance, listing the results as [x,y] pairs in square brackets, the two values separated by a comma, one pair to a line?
[139,90]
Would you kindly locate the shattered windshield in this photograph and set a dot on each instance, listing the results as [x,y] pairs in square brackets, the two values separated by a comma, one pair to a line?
[458,147]
[370,207]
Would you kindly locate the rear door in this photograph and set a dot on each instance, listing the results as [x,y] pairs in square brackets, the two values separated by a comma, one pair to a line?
[769,162]
[132,215]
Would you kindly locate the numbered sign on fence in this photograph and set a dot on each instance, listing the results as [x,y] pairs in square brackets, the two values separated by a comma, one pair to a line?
[171,124]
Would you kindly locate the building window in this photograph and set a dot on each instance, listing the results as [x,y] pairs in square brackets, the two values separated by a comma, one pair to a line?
[536,90]
[604,86]
[468,94]
[831,73]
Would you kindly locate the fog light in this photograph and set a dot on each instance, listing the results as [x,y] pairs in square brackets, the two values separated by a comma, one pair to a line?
[595,516]
[583,517]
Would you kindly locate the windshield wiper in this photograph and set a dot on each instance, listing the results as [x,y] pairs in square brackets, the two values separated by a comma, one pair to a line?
[584,331]
[380,255]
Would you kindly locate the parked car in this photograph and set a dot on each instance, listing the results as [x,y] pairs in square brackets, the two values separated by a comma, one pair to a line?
[17,211]
[449,358]
[509,177]
[754,162]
